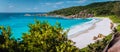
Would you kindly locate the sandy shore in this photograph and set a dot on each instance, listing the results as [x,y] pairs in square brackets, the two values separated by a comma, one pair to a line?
[85,38]
[82,28]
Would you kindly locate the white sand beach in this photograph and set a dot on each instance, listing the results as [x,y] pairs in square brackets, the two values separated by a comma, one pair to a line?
[85,38]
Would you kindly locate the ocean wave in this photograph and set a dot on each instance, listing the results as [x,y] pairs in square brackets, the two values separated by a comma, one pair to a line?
[82,27]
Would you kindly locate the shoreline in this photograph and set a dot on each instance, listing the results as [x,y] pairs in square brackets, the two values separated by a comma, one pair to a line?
[86,37]
[90,25]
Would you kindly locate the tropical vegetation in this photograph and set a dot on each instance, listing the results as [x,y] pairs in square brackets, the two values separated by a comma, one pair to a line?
[98,9]
[42,37]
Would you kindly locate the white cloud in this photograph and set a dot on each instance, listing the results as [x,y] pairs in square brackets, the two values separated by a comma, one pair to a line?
[35,8]
[56,3]
[82,1]
[79,1]
[59,3]
[48,3]
[10,5]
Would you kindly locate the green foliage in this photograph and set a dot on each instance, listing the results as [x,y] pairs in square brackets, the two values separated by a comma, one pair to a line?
[42,37]
[118,28]
[116,9]
[97,46]
[46,38]
[7,44]
[114,18]
[101,8]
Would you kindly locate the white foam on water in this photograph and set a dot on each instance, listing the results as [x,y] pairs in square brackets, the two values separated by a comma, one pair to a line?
[82,27]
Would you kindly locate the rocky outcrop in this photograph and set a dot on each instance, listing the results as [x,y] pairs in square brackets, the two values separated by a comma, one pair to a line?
[82,14]
[114,45]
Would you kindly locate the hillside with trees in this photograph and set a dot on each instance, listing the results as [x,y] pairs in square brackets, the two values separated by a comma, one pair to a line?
[98,9]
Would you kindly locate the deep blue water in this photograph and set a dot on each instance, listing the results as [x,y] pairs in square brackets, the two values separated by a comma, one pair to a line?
[19,22]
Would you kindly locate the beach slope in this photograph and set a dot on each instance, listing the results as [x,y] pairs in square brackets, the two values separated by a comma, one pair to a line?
[84,39]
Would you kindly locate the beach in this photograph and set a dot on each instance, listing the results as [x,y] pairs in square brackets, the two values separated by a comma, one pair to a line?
[86,37]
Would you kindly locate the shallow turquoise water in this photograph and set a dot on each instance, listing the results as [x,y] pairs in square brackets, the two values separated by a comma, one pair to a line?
[19,24]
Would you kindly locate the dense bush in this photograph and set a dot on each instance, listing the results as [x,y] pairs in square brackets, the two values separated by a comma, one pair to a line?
[46,38]
[42,37]
[7,44]
[118,28]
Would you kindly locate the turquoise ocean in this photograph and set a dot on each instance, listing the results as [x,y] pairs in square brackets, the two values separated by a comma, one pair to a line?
[19,23]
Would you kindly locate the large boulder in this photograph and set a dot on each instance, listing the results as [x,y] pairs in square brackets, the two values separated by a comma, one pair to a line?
[114,45]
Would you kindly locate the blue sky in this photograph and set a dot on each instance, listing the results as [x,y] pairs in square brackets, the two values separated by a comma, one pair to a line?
[41,5]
